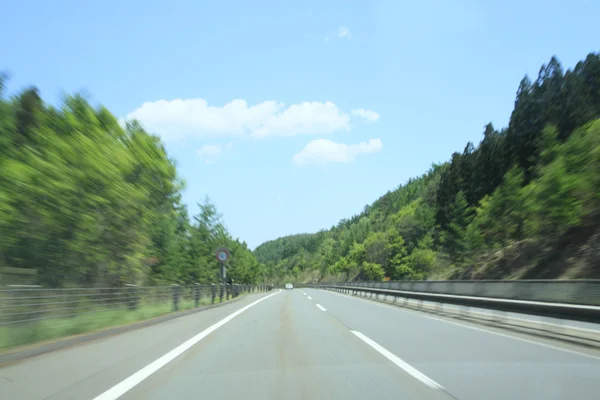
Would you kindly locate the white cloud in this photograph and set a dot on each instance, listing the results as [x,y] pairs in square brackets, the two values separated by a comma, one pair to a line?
[209,153]
[323,151]
[344,32]
[180,119]
[369,115]
[210,150]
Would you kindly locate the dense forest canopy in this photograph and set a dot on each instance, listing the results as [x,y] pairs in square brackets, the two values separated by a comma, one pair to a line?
[85,201]
[523,203]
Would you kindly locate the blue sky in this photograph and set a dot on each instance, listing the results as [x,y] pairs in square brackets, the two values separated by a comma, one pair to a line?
[294,115]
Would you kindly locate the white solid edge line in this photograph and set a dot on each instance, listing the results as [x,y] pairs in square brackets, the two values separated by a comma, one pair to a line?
[321,307]
[399,362]
[448,321]
[310,298]
[133,380]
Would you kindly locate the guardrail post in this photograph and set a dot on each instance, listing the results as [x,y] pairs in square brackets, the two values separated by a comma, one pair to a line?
[176,289]
[221,290]
[213,293]
[197,294]
[133,296]
[227,291]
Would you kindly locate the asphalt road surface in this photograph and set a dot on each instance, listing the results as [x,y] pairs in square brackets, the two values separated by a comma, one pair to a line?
[309,344]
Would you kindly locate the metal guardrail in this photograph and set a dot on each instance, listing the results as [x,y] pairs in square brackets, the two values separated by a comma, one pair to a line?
[580,292]
[563,310]
[26,305]
[495,315]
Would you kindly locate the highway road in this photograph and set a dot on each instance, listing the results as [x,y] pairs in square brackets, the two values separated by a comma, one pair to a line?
[309,344]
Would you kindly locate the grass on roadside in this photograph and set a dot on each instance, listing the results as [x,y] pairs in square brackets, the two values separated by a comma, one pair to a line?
[48,329]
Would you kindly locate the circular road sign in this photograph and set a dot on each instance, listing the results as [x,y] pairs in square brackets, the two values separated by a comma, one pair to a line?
[222,255]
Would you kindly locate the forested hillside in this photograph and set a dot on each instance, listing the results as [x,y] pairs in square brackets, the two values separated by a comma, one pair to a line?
[524,203]
[85,202]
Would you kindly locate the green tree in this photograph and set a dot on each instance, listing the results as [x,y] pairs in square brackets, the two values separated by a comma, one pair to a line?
[377,249]
[502,215]
[373,271]
[455,237]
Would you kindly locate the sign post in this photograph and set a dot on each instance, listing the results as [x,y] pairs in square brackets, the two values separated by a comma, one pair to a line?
[223,257]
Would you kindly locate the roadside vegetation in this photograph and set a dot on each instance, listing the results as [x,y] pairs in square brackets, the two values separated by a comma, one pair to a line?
[46,330]
[85,201]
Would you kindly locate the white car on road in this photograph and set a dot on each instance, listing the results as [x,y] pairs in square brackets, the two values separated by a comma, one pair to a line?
[289,286]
